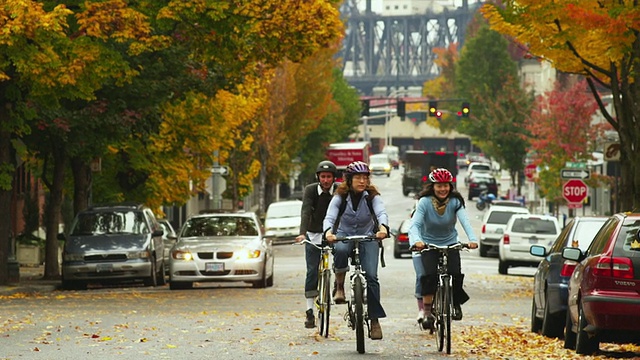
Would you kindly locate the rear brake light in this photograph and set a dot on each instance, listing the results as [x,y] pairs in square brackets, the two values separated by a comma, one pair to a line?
[472,185]
[424,179]
[567,268]
[505,239]
[484,228]
[403,238]
[614,267]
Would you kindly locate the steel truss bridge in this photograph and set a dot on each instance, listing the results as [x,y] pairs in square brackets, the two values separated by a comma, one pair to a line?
[397,51]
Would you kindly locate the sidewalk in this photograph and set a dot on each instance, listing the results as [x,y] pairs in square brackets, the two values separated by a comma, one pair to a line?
[30,282]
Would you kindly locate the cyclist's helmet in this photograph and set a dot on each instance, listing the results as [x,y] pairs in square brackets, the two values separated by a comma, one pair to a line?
[327,166]
[441,175]
[357,167]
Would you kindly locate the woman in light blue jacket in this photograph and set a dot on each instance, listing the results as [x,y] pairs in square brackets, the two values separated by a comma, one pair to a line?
[364,214]
[434,222]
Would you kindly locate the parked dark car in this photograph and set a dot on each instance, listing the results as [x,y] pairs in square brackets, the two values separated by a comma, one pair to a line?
[480,182]
[113,243]
[401,240]
[551,280]
[604,301]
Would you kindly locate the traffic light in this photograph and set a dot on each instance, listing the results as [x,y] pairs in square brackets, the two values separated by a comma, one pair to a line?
[438,114]
[465,109]
[365,108]
[401,108]
[433,108]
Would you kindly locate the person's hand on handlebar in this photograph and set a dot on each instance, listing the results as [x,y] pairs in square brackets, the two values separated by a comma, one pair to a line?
[472,245]
[300,237]
[419,245]
[330,237]
[383,232]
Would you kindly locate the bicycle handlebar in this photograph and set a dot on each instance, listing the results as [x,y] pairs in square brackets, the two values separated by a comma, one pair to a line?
[357,237]
[323,246]
[429,247]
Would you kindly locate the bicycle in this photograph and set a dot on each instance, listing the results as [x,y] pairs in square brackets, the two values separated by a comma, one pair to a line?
[323,300]
[442,306]
[356,315]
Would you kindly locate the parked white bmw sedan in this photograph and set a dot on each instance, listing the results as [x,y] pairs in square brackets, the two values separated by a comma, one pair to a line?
[220,246]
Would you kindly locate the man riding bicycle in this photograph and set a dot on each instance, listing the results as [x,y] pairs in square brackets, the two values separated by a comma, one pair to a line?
[315,201]
[434,222]
[363,208]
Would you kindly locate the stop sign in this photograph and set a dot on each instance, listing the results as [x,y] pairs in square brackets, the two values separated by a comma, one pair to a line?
[574,191]
[530,171]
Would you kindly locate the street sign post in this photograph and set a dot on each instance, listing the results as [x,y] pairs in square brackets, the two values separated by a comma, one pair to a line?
[530,171]
[582,174]
[574,191]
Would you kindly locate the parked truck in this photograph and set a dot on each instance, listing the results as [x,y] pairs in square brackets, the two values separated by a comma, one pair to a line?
[418,164]
[343,154]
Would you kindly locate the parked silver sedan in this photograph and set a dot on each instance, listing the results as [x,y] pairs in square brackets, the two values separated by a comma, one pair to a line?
[215,247]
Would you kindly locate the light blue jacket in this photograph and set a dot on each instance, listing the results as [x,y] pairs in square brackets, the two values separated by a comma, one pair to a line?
[432,228]
[357,222]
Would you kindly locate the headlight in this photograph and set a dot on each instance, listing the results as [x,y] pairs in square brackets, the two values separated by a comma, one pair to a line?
[387,168]
[182,255]
[73,257]
[247,254]
[139,255]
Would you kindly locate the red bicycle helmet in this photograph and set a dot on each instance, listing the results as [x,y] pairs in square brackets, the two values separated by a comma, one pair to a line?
[357,167]
[441,175]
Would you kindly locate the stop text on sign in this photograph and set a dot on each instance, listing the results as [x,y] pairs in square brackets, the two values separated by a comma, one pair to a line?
[574,191]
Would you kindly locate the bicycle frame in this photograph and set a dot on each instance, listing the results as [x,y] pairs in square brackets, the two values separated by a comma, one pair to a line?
[357,314]
[442,306]
[323,300]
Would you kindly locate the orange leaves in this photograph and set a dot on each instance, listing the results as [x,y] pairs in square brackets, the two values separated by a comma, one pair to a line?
[113,19]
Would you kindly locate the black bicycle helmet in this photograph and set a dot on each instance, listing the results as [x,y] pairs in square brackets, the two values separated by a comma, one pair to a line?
[327,166]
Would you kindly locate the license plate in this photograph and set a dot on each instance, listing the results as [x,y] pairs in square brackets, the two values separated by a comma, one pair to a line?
[214,267]
[104,268]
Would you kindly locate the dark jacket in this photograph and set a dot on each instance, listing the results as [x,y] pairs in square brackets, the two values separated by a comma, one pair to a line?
[314,208]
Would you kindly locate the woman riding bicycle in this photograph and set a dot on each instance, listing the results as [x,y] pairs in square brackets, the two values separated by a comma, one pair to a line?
[434,222]
[363,205]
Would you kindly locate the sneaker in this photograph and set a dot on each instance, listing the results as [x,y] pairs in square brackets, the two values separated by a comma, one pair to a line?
[310,321]
[376,330]
[339,296]
[457,313]
[420,317]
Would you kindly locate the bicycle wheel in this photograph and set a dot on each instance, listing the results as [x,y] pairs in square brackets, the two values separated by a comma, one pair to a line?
[358,293]
[446,315]
[324,303]
[438,312]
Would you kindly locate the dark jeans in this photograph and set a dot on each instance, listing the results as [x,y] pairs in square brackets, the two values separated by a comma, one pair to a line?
[312,255]
[429,280]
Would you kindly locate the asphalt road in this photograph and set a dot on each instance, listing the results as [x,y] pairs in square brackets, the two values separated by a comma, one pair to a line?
[235,321]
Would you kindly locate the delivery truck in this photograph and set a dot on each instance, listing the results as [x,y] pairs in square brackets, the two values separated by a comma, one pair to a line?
[343,154]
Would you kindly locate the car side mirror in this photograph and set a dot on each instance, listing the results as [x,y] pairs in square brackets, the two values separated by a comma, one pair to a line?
[571,253]
[172,237]
[537,250]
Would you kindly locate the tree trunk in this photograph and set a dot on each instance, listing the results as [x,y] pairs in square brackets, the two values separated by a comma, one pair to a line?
[5,205]
[81,184]
[54,205]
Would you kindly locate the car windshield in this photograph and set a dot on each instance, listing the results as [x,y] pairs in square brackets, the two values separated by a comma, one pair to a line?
[280,211]
[534,226]
[500,217]
[219,226]
[111,222]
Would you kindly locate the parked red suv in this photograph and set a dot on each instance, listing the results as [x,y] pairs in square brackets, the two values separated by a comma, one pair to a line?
[604,290]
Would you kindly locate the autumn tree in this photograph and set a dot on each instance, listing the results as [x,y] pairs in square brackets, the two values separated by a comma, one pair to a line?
[561,130]
[595,39]
[487,76]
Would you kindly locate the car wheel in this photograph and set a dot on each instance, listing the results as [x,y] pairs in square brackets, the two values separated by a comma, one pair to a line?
[536,324]
[552,324]
[569,335]
[262,283]
[396,253]
[270,278]
[152,280]
[586,343]
[162,280]
[180,285]
[502,267]
[405,192]
[484,249]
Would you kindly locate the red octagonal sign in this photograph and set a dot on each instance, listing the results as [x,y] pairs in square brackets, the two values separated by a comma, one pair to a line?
[574,191]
